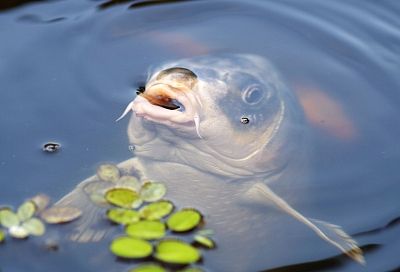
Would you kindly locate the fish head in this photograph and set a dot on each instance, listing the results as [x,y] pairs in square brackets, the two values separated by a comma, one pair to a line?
[225,114]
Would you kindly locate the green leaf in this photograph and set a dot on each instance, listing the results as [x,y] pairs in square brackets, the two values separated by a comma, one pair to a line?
[148,268]
[153,191]
[108,172]
[184,220]
[18,232]
[41,201]
[122,197]
[191,269]
[123,216]
[8,218]
[156,210]
[204,241]
[58,215]
[128,247]
[2,236]
[26,210]
[148,230]
[129,182]
[177,252]
[34,227]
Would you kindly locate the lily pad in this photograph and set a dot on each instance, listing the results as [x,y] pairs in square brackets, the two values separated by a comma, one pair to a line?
[153,191]
[26,210]
[108,172]
[191,269]
[99,199]
[128,247]
[2,236]
[18,232]
[129,182]
[41,202]
[184,220]
[176,252]
[122,197]
[156,210]
[148,230]
[8,218]
[123,216]
[204,241]
[148,268]
[34,227]
[59,215]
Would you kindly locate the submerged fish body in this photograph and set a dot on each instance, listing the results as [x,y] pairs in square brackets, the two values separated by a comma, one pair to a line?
[219,131]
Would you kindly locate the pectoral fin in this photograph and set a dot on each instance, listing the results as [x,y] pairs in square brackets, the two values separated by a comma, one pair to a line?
[89,227]
[331,233]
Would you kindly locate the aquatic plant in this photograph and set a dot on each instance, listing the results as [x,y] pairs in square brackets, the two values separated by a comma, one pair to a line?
[22,223]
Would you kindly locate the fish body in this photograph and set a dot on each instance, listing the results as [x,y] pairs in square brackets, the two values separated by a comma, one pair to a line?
[220,132]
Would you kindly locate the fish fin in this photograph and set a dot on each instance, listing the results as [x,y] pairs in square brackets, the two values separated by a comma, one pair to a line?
[88,227]
[331,233]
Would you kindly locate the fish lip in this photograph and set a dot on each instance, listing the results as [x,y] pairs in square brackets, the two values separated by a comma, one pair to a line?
[143,107]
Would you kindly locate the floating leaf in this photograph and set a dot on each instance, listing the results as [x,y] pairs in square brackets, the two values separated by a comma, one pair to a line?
[129,182]
[152,191]
[8,218]
[123,216]
[148,268]
[177,252]
[148,230]
[184,220]
[108,172]
[41,201]
[128,247]
[98,199]
[26,210]
[191,269]
[122,197]
[58,215]
[156,210]
[2,236]
[204,241]
[34,227]
[18,232]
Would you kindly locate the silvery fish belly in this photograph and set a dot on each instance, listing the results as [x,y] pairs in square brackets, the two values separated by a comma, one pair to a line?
[225,134]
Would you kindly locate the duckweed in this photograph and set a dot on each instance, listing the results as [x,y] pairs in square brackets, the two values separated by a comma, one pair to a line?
[152,191]
[148,268]
[131,248]
[156,210]
[204,241]
[8,218]
[148,230]
[176,252]
[26,210]
[123,216]
[108,172]
[122,197]
[184,220]
[59,215]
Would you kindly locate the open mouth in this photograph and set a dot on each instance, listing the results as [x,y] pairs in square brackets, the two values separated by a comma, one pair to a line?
[166,104]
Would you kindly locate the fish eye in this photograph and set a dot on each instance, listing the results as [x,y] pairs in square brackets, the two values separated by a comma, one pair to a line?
[253,94]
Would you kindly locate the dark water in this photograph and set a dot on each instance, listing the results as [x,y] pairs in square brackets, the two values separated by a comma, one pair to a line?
[68,69]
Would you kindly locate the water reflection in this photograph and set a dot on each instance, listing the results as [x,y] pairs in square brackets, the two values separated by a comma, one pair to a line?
[347,53]
[137,4]
[10,4]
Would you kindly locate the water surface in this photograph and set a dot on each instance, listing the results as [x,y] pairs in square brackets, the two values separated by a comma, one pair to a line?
[68,69]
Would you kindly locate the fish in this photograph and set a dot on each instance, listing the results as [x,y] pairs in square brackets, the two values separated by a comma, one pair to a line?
[220,131]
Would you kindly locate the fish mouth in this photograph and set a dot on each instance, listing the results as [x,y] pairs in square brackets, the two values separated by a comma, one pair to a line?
[166,104]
